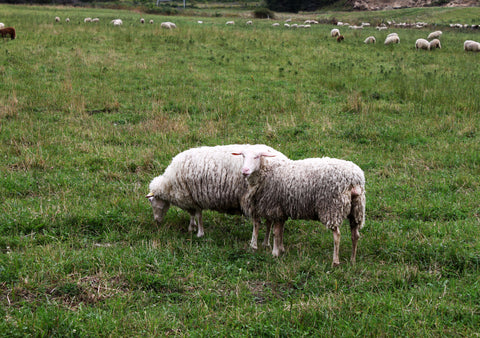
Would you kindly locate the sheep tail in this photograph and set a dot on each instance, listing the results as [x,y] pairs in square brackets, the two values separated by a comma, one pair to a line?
[357,212]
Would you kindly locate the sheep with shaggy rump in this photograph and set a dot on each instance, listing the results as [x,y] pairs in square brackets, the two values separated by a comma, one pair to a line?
[392,39]
[8,31]
[435,43]
[471,46]
[325,189]
[434,35]
[422,44]
[205,178]
[370,39]
[334,32]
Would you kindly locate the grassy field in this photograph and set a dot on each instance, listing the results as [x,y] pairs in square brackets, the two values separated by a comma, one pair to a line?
[90,113]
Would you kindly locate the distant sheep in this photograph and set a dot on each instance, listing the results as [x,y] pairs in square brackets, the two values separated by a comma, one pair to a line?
[230,23]
[325,189]
[435,43]
[422,44]
[275,24]
[95,20]
[471,46]
[205,178]
[8,31]
[334,32]
[392,39]
[67,20]
[370,39]
[392,34]
[434,35]
[117,22]
[168,25]
[340,38]
[151,21]
[87,20]
[142,20]
[57,19]
[249,22]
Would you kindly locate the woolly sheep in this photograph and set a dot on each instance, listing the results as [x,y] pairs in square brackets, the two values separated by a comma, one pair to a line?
[151,21]
[325,189]
[67,20]
[392,39]
[142,20]
[392,34]
[422,44]
[57,19]
[275,24]
[249,22]
[87,20]
[435,43]
[168,25]
[205,178]
[434,35]
[471,46]
[95,20]
[117,22]
[334,32]
[370,39]
[230,23]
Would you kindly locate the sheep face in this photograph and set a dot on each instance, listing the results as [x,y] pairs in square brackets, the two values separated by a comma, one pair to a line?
[252,161]
[159,206]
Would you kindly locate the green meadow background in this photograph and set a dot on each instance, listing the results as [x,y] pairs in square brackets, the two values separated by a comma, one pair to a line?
[91,113]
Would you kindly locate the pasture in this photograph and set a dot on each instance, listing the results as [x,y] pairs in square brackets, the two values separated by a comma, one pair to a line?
[90,113]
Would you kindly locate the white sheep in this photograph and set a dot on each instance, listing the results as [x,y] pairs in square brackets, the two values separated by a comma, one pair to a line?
[168,25]
[325,189]
[117,22]
[87,20]
[67,20]
[249,22]
[57,19]
[142,20]
[471,46]
[205,178]
[422,44]
[230,23]
[392,39]
[276,24]
[392,34]
[95,20]
[334,32]
[435,43]
[370,39]
[434,35]
[151,21]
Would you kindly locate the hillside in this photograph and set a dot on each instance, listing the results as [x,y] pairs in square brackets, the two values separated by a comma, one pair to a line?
[395,4]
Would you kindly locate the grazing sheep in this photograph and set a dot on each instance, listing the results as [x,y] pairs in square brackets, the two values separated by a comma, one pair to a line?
[168,25]
[334,32]
[249,22]
[230,23]
[392,39]
[67,20]
[205,178]
[2,25]
[434,35]
[370,39]
[95,20]
[142,20]
[8,31]
[422,44]
[57,19]
[435,43]
[117,22]
[275,24]
[151,21]
[325,189]
[471,46]
[87,20]
[340,38]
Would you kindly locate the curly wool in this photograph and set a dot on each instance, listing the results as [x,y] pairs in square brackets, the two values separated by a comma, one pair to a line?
[314,189]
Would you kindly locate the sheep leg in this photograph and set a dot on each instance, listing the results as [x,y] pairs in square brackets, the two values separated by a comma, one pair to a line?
[256,226]
[198,216]
[336,246]
[355,237]
[266,240]
[192,225]
[278,247]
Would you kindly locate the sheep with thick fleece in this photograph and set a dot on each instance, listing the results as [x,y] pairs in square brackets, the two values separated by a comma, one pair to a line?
[325,189]
[471,46]
[370,39]
[205,178]
[392,39]
[422,44]
[434,35]
[435,43]
[334,32]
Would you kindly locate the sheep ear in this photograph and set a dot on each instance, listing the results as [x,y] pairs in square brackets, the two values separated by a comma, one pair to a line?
[266,154]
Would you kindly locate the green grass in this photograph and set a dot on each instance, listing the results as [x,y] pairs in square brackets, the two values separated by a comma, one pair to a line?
[90,113]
